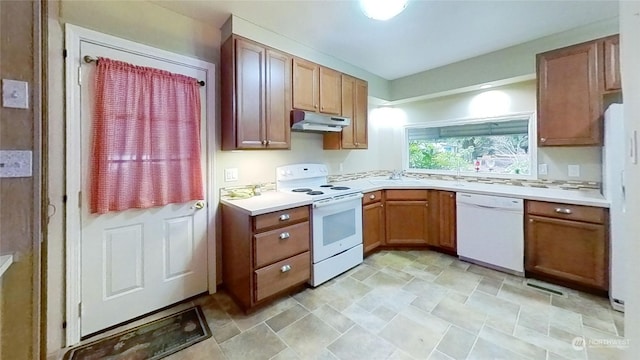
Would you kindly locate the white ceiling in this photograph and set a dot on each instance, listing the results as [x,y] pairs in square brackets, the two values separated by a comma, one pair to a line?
[428,34]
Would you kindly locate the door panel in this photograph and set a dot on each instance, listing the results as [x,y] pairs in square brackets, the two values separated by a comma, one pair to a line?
[136,261]
[305,85]
[123,258]
[179,247]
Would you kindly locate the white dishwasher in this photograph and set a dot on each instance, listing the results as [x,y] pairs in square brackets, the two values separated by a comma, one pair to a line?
[490,231]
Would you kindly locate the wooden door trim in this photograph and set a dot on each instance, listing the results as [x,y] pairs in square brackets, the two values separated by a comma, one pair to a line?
[74,35]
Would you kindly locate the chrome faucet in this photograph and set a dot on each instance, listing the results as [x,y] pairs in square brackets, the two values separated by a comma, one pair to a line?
[396,175]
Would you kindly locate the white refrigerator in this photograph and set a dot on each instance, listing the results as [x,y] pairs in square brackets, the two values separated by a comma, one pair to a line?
[613,189]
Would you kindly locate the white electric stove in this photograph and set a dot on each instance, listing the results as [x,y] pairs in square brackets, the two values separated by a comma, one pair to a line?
[336,219]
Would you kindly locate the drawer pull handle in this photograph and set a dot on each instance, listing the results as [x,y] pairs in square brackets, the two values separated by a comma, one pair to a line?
[285,268]
[543,139]
[372,197]
[563,211]
[285,217]
[284,235]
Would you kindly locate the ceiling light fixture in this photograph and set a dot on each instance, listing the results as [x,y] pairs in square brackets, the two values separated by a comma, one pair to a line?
[382,9]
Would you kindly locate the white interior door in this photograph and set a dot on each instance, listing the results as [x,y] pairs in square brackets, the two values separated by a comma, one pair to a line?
[135,261]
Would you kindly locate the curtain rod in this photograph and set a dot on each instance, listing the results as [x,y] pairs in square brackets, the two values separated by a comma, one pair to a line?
[89,59]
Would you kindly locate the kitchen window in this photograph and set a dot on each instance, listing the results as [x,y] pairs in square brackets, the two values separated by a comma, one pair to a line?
[494,147]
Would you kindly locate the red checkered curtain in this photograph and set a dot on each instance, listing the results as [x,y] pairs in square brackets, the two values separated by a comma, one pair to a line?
[146,138]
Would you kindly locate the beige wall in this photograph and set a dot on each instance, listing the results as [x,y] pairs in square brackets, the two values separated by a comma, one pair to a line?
[20,208]
[515,61]
[378,87]
[630,58]
[519,97]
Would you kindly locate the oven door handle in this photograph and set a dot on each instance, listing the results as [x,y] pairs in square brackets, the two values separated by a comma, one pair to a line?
[330,202]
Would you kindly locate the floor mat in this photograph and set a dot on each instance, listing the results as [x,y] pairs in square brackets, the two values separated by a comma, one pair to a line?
[153,340]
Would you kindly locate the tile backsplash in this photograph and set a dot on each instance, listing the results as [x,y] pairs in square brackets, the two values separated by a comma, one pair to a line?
[540,183]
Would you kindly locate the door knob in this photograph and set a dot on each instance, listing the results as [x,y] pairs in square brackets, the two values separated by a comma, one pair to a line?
[198,205]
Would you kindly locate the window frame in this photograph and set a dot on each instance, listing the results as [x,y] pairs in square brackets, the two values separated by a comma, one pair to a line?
[533,145]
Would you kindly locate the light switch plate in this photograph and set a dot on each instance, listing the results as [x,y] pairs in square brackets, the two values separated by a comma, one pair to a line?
[15,163]
[15,94]
[231,174]
[573,170]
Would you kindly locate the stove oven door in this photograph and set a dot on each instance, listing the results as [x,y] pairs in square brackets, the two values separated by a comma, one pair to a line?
[337,226]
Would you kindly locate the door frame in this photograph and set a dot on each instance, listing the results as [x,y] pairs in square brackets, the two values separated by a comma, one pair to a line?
[74,35]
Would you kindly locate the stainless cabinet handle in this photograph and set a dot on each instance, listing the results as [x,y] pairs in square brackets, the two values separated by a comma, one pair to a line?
[563,211]
[285,268]
[264,142]
[284,235]
[543,139]
[267,142]
[372,197]
[284,217]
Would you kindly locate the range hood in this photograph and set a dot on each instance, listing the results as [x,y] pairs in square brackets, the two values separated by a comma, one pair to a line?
[313,122]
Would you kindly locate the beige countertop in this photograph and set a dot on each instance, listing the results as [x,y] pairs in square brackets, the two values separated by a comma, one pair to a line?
[276,201]
[574,197]
[268,202]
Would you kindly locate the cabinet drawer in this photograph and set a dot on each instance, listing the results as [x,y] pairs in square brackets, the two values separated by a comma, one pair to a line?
[570,212]
[406,194]
[281,218]
[371,197]
[274,278]
[280,243]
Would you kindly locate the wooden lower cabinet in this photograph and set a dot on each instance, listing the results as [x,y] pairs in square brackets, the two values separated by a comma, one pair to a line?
[372,221]
[567,243]
[264,255]
[443,220]
[407,217]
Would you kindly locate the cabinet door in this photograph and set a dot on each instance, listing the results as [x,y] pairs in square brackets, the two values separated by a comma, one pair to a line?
[569,90]
[612,63]
[278,100]
[406,222]
[372,226]
[567,250]
[330,91]
[305,85]
[250,94]
[361,114]
[348,97]
[445,214]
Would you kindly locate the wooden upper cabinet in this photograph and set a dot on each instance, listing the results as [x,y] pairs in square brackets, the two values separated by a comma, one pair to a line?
[612,80]
[306,87]
[361,114]
[330,91]
[569,95]
[355,93]
[256,96]
[278,99]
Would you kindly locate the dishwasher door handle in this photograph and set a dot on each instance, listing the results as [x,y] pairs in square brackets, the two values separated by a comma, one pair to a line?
[479,206]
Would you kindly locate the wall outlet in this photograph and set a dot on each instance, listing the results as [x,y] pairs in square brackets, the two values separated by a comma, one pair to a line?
[573,170]
[543,169]
[231,174]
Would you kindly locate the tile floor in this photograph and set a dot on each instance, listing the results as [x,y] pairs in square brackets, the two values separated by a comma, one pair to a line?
[413,305]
